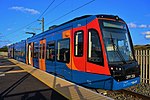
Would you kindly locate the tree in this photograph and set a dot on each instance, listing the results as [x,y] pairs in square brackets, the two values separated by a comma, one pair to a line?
[4,49]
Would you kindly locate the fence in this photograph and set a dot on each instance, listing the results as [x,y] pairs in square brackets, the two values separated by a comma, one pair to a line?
[143,58]
[4,54]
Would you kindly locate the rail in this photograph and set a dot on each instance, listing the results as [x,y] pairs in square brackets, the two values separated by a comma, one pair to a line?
[137,95]
[123,94]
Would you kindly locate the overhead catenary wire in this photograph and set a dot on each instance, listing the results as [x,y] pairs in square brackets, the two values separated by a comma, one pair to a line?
[52,9]
[55,7]
[32,21]
[46,9]
[70,12]
[22,27]
[54,19]
[5,41]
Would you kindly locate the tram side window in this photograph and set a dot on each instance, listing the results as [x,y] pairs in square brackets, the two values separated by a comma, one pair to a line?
[36,49]
[94,48]
[63,53]
[78,44]
[40,55]
[43,51]
[50,51]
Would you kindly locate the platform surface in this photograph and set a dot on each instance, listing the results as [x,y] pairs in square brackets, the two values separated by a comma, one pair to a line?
[18,84]
[19,81]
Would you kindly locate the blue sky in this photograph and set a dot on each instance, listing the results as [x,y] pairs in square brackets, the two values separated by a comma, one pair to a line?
[15,14]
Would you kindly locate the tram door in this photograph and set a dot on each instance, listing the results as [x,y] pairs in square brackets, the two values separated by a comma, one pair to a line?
[30,54]
[79,48]
[42,55]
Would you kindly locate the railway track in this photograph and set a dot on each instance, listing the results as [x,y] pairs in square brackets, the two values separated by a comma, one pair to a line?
[122,94]
[137,95]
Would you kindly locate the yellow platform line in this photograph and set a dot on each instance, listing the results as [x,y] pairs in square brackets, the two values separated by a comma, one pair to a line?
[6,66]
[11,72]
[16,71]
[63,87]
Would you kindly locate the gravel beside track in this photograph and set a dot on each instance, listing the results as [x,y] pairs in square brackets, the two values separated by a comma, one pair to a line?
[142,88]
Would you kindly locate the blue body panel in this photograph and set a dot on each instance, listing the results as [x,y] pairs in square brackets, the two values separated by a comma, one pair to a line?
[93,80]
[50,66]
[20,51]
[36,62]
[125,84]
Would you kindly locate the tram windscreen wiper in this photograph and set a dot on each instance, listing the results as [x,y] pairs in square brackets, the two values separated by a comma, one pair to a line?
[117,50]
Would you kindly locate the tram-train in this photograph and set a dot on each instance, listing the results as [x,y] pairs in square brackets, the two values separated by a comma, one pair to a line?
[94,51]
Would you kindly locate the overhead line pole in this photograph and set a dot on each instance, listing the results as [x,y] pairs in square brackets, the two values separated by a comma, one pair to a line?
[42,22]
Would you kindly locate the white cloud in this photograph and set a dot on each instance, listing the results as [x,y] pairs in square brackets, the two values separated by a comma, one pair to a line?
[146,33]
[143,26]
[26,10]
[147,36]
[132,25]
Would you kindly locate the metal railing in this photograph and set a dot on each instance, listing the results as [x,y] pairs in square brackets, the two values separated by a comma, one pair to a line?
[143,58]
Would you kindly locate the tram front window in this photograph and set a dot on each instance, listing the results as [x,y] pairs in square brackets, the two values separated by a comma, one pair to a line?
[116,41]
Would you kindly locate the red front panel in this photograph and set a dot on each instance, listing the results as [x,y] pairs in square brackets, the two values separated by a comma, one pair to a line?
[96,68]
[81,63]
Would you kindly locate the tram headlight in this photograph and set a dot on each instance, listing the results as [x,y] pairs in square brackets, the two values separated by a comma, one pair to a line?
[111,68]
[115,68]
[116,71]
[120,69]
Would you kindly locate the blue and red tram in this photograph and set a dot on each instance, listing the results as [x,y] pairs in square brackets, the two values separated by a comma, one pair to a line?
[94,51]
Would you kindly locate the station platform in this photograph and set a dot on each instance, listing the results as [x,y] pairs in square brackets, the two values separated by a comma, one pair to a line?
[19,81]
